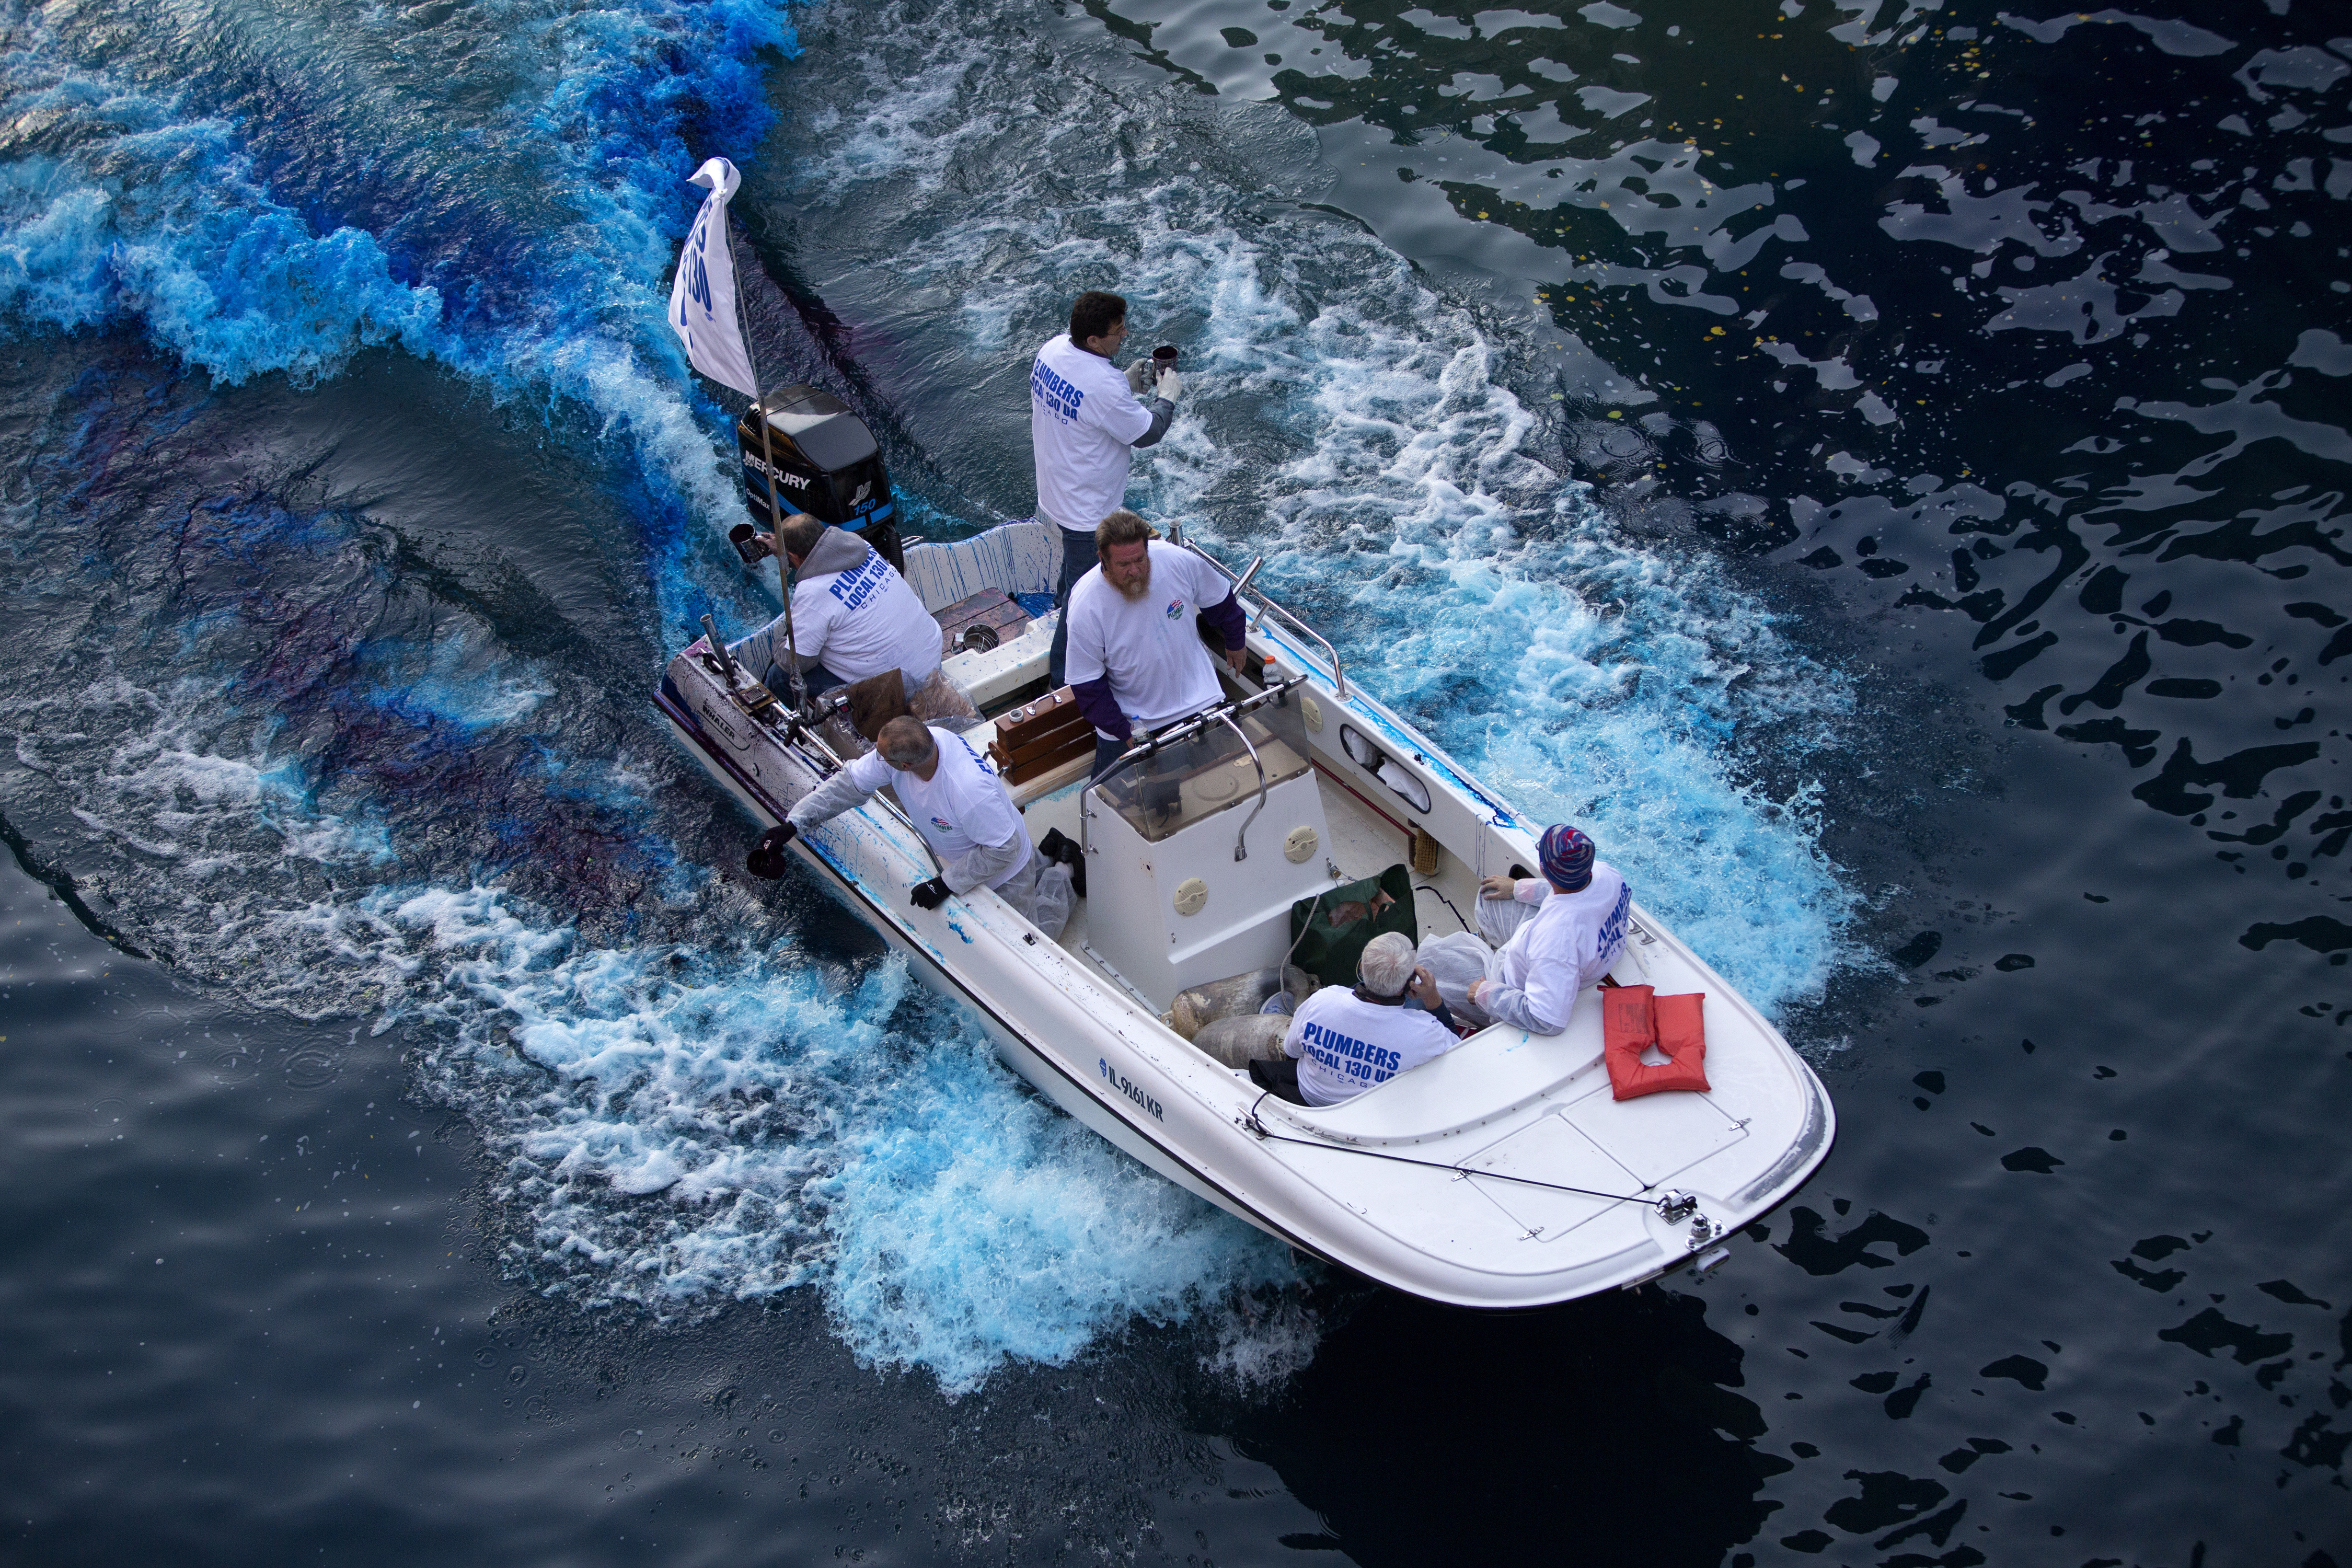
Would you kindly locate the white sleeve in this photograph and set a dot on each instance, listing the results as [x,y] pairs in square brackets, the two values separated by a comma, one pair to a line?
[847,790]
[1113,408]
[1083,659]
[1554,977]
[870,771]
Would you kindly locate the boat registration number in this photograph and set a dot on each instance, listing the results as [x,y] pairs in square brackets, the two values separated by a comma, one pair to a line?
[1119,1081]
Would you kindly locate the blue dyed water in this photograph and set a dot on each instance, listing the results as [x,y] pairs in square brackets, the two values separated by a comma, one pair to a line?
[1875,470]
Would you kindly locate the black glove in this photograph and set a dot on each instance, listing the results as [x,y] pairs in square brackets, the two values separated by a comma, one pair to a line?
[931,895]
[767,856]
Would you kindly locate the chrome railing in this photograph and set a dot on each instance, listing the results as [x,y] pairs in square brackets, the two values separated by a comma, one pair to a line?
[1266,606]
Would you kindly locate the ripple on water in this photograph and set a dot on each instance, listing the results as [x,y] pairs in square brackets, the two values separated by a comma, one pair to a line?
[310,1068]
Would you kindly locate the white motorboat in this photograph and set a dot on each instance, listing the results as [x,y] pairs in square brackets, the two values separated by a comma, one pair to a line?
[1503,1173]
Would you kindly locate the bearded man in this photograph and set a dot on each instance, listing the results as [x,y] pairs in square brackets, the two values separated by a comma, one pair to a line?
[1137,660]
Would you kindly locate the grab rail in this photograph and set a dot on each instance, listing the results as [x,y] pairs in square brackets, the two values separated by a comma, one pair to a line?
[1192,728]
[1241,839]
[1241,582]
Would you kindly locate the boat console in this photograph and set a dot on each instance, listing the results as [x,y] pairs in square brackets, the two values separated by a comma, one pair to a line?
[1198,843]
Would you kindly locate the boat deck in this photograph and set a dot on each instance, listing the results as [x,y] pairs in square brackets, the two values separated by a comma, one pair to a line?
[1364,842]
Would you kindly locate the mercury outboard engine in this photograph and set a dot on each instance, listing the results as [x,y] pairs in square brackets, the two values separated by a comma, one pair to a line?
[827,465]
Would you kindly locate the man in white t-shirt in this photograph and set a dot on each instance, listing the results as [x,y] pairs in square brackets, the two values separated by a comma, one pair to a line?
[1349,1040]
[1086,419]
[853,615]
[1137,660]
[960,807]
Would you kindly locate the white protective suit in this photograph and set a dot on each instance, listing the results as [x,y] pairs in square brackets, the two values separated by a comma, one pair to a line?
[963,812]
[1542,948]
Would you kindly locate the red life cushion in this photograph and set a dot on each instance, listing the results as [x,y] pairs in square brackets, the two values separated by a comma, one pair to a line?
[1633,1019]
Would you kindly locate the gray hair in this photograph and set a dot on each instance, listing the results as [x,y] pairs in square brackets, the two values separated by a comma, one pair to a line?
[1386,968]
[905,743]
[799,534]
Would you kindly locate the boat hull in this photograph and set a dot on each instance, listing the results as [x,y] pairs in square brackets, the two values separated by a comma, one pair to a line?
[1394,1204]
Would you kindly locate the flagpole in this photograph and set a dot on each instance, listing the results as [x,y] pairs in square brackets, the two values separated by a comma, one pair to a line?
[775,506]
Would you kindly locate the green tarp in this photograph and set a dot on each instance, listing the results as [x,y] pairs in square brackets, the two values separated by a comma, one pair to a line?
[1329,951]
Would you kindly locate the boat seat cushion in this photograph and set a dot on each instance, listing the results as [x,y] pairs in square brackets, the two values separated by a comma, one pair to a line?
[1633,1020]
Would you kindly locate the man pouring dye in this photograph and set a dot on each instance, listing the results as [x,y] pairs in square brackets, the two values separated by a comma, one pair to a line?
[1136,658]
[1085,420]
[853,615]
[960,807]
[1547,938]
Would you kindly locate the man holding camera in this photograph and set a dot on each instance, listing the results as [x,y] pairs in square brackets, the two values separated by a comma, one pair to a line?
[1085,420]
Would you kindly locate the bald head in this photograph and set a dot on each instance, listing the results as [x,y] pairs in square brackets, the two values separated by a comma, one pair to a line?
[800,535]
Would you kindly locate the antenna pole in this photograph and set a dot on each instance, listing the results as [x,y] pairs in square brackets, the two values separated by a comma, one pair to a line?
[775,506]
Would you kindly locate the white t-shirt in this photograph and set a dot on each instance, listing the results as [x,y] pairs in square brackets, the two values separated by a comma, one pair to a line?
[960,806]
[863,621]
[1566,946]
[1084,423]
[1159,668]
[1346,1045]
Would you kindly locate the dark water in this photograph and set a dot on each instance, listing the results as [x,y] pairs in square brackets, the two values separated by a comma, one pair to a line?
[1881,469]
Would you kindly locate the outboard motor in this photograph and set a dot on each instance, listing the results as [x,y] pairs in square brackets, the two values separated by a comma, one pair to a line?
[827,465]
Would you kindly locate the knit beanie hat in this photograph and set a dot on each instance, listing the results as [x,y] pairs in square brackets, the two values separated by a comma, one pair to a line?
[1567,858]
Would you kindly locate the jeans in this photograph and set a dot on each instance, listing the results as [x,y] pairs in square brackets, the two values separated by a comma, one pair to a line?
[1280,1077]
[1077,560]
[1105,754]
[815,677]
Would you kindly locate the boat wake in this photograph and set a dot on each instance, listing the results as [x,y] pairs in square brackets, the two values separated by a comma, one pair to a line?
[681,1108]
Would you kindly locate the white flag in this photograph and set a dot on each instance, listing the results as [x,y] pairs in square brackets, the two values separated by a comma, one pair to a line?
[702,295]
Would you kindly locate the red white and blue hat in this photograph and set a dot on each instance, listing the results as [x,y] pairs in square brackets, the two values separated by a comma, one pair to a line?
[1567,857]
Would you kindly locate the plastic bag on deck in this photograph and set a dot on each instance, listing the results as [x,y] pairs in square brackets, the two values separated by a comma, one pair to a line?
[1239,1041]
[1197,1006]
[1041,892]
[1457,961]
